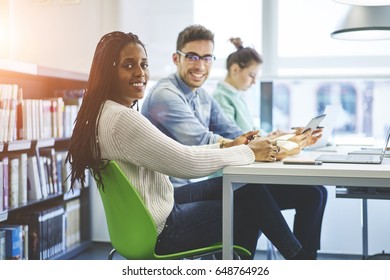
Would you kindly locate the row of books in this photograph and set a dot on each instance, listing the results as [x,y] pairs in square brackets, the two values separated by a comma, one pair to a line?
[32,119]
[25,178]
[42,233]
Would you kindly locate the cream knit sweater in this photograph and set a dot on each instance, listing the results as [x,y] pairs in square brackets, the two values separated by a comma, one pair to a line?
[148,157]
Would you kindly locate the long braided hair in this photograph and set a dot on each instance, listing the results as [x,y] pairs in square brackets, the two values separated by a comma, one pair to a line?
[84,152]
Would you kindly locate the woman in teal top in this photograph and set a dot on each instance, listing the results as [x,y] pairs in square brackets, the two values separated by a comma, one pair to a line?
[234,106]
[243,66]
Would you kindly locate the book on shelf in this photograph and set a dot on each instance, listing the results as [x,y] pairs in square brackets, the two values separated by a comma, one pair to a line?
[71,97]
[54,117]
[23,178]
[13,186]
[25,129]
[46,119]
[24,244]
[34,191]
[58,162]
[3,121]
[45,177]
[19,115]
[1,186]
[2,244]
[5,97]
[50,175]
[5,183]
[72,222]
[11,136]
[58,116]
[42,176]
[70,114]
[8,102]
[37,118]
[65,171]
[50,154]
[13,241]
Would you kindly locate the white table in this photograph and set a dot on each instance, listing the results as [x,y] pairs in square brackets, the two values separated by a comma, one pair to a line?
[357,175]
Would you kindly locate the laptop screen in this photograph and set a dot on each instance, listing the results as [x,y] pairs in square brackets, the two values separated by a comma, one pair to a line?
[387,138]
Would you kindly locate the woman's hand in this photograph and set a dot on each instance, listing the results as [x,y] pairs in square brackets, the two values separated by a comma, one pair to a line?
[264,149]
[314,136]
[242,139]
[307,138]
[301,138]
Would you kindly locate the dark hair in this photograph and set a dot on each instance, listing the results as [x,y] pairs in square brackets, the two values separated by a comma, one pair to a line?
[243,56]
[84,152]
[193,33]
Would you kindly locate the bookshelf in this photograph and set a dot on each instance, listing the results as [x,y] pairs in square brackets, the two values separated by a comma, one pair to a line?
[73,222]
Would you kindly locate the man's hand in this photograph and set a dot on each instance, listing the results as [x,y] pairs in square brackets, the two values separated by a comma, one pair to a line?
[307,138]
[301,138]
[242,139]
[314,136]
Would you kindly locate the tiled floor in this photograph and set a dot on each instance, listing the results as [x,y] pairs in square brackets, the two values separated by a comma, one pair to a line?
[100,251]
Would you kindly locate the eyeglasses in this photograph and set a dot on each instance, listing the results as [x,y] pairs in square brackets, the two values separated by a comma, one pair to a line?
[193,57]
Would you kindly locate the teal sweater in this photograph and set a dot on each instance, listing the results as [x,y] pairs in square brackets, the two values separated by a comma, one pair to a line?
[234,106]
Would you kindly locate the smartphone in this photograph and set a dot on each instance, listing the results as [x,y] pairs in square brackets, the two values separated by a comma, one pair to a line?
[303,161]
[314,123]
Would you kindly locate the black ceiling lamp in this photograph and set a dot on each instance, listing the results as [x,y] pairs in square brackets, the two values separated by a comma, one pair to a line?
[371,22]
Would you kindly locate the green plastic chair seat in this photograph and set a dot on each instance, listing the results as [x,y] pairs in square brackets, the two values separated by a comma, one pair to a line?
[132,230]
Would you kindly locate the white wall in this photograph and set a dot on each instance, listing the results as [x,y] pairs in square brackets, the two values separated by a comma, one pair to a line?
[53,34]
[157,23]
[65,36]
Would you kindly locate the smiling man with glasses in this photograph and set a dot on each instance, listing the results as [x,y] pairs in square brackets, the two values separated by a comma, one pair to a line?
[178,104]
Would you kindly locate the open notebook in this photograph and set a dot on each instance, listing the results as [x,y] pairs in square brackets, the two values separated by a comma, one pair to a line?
[357,158]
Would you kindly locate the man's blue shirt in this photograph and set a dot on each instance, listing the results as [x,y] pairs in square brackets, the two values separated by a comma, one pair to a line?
[191,118]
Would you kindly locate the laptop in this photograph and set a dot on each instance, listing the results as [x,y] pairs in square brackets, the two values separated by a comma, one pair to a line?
[373,151]
[357,158]
[370,151]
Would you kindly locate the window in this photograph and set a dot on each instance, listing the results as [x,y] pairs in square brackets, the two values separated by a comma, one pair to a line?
[226,19]
[305,47]
[362,102]
[309,68]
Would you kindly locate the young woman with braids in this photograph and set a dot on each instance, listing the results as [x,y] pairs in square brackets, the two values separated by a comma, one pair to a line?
[308,202]
[108,128]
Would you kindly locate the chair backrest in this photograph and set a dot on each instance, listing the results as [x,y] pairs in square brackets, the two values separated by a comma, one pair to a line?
[131,228]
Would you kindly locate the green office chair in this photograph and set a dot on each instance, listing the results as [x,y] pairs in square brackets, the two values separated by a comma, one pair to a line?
[132,230]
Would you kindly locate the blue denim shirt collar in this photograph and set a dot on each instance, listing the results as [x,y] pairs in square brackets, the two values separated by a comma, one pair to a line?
[185,90]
